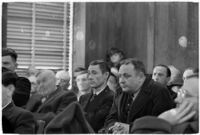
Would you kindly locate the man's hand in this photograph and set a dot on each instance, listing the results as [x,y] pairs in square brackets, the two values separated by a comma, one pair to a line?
[120,128]
[178,115]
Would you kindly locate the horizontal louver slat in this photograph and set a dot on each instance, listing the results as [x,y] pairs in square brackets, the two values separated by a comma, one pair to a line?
[48,38]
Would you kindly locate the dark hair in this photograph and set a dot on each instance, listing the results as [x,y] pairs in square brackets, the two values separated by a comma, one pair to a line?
[102,65]
[9,52]
[113,51]
[138,65]
[166,67]
[80,69]
[9,77]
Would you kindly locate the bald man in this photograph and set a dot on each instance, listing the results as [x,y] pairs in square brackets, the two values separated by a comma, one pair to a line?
[53,100]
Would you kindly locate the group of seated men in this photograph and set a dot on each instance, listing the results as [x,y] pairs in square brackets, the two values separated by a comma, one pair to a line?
[143,103]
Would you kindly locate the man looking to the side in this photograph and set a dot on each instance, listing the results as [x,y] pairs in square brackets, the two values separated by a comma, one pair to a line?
[97,103]
[141,96]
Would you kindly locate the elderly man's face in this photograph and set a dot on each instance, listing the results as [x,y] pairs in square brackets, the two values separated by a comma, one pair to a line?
[9,63]
[160,75]
[189,92]
[46,84]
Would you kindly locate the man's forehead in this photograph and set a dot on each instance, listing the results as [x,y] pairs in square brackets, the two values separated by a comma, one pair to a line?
[84,75]
[93,67]
[160,69]
[128,68]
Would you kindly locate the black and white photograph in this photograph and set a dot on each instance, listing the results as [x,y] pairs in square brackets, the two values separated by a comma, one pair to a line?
[100,67]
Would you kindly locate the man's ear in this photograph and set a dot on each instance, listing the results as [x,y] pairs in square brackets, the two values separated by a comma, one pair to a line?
[107,75]
[16,65]
[11,89]
[168,78]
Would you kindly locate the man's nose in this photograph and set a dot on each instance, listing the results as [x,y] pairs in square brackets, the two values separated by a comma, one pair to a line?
[178,99]
[155,78]
[90,77]
[121,80]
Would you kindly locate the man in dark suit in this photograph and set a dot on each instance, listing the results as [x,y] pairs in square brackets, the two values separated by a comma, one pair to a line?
[141,96]
[23,86]
[180,120]
[14,119]
[162,74]
[53,100]
[97,104]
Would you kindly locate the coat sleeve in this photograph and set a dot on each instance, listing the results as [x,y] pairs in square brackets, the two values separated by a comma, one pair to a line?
[66,100]
[162,101]
[100,115]
[112,116]
[25,124]
[150,124]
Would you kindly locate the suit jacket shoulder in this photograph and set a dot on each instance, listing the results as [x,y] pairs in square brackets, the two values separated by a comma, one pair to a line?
[22,121]
[152,99]
[55,104]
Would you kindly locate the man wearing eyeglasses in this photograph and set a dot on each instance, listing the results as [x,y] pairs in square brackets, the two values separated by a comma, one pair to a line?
[182,119]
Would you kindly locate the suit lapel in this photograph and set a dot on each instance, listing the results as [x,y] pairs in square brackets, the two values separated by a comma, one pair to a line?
[87,100]
[140,101]
[98,100]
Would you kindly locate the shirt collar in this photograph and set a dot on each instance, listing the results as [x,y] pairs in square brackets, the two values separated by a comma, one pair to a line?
[6,105]
[98,92]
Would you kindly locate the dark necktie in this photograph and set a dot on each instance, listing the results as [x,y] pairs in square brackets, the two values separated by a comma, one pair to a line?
[93,97]
[128,105]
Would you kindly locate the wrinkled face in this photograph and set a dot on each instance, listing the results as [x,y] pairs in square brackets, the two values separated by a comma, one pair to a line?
[115,58]
[112,83]
[46,85]
[9,63]
[82,82]
[160,75]
[96,77]
[129,79]
[64,83]
[189,92]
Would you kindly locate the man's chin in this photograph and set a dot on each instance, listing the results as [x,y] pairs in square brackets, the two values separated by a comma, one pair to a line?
[125,90]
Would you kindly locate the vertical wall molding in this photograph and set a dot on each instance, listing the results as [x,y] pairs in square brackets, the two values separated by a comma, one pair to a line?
[4,25]
[150,38]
